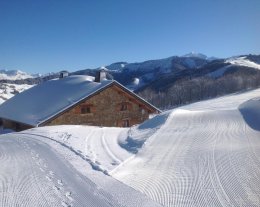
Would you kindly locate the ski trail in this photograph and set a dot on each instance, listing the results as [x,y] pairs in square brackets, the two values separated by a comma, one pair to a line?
[88,150]
[18,188]
[198,158]
[50,176]
[32,174]
[115,159]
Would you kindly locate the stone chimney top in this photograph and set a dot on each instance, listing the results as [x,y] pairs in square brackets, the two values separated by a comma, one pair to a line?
[64,74]
[101,75]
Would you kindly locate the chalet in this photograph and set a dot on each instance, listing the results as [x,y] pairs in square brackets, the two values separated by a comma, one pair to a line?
[75,100]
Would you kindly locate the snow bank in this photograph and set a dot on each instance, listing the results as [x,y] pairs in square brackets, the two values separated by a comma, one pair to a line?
[227,102]
[138,135]
[204,154]
[251,113]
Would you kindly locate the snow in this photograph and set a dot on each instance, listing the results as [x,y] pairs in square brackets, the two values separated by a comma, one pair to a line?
[202,154]
[227,102]
[61,94]
[242,61]
[195,55]
[250,110]
[99,146]
[116,66]
[90,78]
[137,135]
[34,174]
[15,75]
[8,90]
[136,81]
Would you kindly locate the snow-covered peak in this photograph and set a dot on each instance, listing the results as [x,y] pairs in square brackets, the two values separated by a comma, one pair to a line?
[195,55]
[15,75]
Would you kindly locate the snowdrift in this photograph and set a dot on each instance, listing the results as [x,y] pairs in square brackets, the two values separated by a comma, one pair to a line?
[251,113]
[137,135]
[205,154]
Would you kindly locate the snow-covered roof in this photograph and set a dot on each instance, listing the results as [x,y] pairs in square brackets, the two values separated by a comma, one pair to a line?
[40,103]
[45,101]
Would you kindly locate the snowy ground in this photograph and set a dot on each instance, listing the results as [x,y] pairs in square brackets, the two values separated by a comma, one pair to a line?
[38,171]
[206,154]
[8,90]
[203,154]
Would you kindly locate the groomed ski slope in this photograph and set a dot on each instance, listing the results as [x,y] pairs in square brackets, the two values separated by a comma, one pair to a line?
[205,154]
[39,171]
[33,175]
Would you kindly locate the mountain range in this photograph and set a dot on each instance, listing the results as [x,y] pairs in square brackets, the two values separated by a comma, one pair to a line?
[161,75]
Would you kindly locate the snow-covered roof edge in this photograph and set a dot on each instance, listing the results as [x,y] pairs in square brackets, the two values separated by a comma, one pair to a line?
[92,94]
[73,104]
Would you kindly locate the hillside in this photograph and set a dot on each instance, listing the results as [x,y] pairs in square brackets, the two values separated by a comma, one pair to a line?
[145,74]
[175,80]
[196,155]
[8,90]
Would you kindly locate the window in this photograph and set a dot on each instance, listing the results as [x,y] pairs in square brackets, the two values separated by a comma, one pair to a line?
[126,123]
[123,107]
[85,110]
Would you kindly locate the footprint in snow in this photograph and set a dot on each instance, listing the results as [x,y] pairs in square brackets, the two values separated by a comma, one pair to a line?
[56,188]
[64,204]
[97,162]
[68,195]
[48,178]
[42,169]
[60,182]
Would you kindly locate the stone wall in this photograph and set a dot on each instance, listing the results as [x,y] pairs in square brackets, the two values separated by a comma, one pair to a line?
[105,110]
[7,124]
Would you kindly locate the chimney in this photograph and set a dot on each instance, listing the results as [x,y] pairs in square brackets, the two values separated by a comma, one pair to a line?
[101,75]
[64,74]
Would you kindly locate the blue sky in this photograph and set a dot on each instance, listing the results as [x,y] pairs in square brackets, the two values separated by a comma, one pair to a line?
[40,36]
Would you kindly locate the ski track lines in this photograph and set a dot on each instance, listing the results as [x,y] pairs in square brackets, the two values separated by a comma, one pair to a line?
[97,149]
[198,159]
[33,175]
[22,188]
